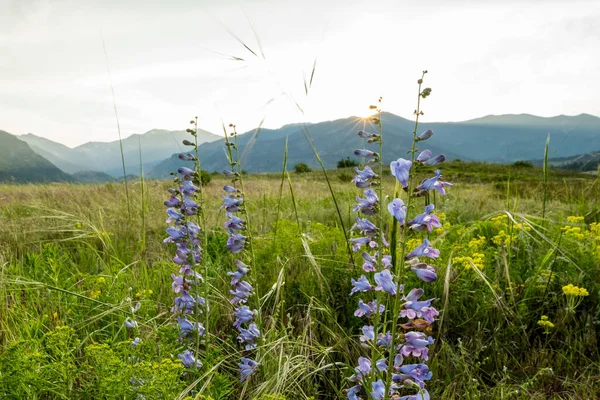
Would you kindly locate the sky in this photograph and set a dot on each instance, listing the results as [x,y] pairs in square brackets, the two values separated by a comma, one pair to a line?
[168,61]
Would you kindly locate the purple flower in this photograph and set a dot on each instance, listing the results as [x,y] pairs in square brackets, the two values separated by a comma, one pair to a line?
[432,184]
[368,309]
[130,323]
[174,234]
[425,221]
[369,265]
[247,368]
[185,302]
[367,135]
[357,243]
[364,175]
[421,309]
[361,285]
[189,207]
[424,156]
[242,270]
[365,226]
[425,135]
[172,202]
[368,205]
[185,326]
[385,282]
[384,340]
[229,173]
[135,342]
[364,367]
[398,210]
[230,189]
[365,153]
[400,169]
[424,249]
[242,291]
[236,242]
[381,365]
[234,223]
[378,392]
[249,336]
[243,315]
[422,395]
[232,204]
[425,272]
[178,283]
[368,334]
[186,156]
[173,216]
[416,372]
[416,345]
[386,261]
[353,391]
[188,360]
[435,161]
[186,173]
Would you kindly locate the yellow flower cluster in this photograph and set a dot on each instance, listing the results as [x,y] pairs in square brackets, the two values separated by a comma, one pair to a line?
[100,280]
[573,219]
[477,244]
[412,244]
[94,294]
[573,232]
[574,291]
[502,238]
[144,292]
[545,323]
[478,259]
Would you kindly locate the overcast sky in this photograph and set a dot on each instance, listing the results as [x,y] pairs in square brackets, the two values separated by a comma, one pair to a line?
[171,60]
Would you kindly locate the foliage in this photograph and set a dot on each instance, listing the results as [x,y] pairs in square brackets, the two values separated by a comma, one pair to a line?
[301,168]
[347,163]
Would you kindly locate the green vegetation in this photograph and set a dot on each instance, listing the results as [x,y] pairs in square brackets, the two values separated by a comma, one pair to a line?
[72,267]
[301,168]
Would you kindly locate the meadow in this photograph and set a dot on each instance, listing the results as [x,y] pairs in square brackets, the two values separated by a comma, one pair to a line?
[75,260]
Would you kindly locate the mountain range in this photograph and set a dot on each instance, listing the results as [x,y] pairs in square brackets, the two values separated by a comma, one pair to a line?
[494,138]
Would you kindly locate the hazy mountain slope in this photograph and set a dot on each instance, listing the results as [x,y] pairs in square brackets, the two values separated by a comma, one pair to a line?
[156,145]
[505,138]
[19,163]
[58,154]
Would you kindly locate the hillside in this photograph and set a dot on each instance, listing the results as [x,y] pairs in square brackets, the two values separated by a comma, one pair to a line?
[500,139]
[19,163]
[106,156]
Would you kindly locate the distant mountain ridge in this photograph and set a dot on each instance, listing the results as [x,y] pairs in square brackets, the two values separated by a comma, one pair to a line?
[19,163]
[493,138]
[106,156]
[501,139]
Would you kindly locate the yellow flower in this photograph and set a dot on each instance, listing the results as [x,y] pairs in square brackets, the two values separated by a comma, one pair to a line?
[545,323]
[574,291]
[476,244]
[575,219]
[100,280]
[94,294]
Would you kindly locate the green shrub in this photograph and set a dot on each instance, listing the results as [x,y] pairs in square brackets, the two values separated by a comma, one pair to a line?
[301,168]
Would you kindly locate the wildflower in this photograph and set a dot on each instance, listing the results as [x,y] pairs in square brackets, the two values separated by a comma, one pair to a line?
[178,283]
[135,342]
[367,135]
[385,282]
[368,334]
[384,340]
[416,345]
[242,292]
[357,243]
[425,272]
[236,242]
[186,173]
[230,189]
[353,391]
[424,156]
[361,285]
[243,315]
[381,365]
[249,336]
[364,367]
[186,157]
[369,265]
[229,173]
[242,270]
[188,360]
[415,372]
[362,178]
[378,390]
[365,226]
[422,395]
[172,202]
[545,323]
[368,309]
[400,169]
[424,249]
[571,290]
[435,160]
[425,221]
[425,135]
[365,153]
[432,184]
[232,204]
[130,323]
[234,223]
[368,205]
[247,368]
[421,309]
[398,210]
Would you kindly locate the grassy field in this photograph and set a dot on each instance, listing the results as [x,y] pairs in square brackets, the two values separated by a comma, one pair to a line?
[74,259]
